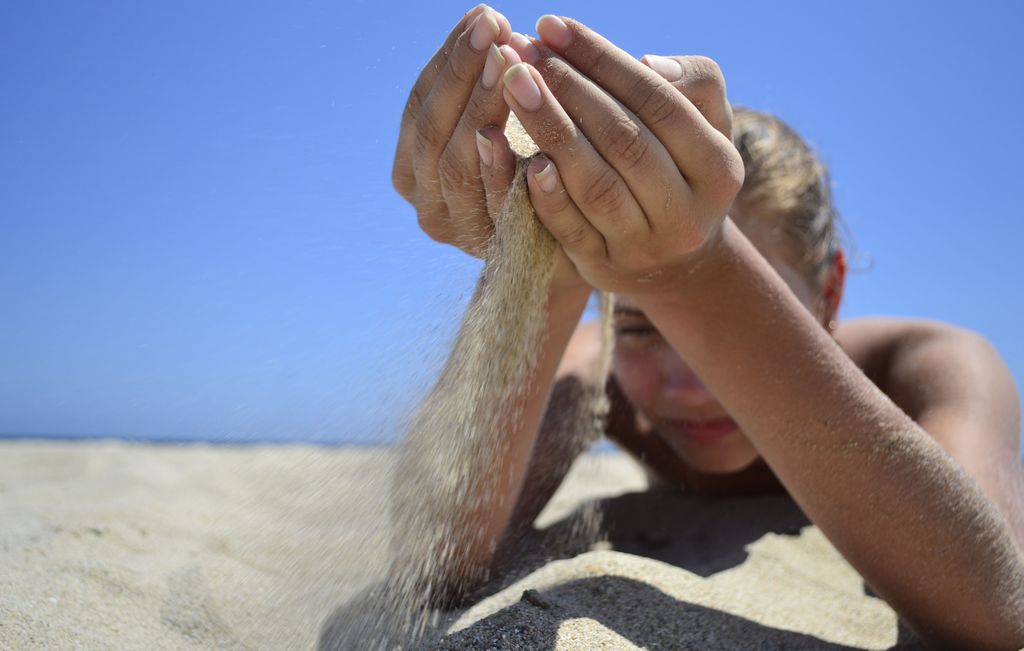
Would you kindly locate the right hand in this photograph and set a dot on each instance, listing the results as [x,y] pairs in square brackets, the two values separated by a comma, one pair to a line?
[437,165]
[648,173]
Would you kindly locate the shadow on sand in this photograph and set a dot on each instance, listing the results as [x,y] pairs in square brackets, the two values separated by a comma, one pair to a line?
[699,534]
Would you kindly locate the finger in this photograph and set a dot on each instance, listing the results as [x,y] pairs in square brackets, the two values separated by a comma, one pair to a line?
[460,165]
[425,82]
[401,173]
[526,49]
[706,157]
[440,113]
[596,188]
[556,210]
[453,86]
[623,140]
[701,81]
[438,64]
[497,167]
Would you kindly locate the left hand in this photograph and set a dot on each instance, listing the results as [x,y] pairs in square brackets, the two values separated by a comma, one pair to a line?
[636,193]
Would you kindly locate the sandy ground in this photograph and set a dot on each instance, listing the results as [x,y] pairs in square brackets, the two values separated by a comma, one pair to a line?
[107,545]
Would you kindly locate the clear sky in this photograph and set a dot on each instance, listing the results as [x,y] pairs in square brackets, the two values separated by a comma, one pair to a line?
[200,240]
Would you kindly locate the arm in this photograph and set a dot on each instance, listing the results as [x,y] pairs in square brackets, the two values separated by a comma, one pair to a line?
[884,492]
[898,507]
[456,184]
[457,174]
[564,432]
[954,384]
[514,496]
[460,524]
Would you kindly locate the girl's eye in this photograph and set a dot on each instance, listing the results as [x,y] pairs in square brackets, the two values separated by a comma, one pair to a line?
[636,331]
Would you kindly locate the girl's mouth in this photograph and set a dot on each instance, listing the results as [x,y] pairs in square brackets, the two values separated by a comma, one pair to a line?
[703,432]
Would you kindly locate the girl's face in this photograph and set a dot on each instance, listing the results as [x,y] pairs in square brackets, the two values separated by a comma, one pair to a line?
[672,399]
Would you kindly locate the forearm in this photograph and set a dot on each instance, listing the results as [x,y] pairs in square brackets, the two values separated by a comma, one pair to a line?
[563,311]
[899,509]
[471,517]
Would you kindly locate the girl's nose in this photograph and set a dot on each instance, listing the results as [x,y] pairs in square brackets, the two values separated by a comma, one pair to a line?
[681,384]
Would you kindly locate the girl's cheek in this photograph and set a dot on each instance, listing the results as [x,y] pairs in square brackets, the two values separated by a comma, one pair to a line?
[638,376]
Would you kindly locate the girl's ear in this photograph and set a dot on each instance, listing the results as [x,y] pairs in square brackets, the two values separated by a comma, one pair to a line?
[832,288]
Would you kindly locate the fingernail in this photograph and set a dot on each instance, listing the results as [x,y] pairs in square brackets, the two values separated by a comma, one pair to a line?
[510,56]
[485,30]
[554,31]
[544,172]
[504,27]
[670,69]
[527,50]
[483,145]
[471,15]
[492,67]
[524,89]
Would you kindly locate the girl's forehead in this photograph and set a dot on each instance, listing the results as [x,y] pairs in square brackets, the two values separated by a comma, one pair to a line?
[798,284]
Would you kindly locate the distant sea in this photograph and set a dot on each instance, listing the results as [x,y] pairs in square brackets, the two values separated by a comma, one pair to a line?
[368,441]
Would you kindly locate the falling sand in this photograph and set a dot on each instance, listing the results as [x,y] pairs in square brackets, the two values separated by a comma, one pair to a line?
[451,460]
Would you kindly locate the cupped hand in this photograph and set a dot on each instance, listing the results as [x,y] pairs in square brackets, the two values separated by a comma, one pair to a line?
[436,165]
[497,167]
[638,169]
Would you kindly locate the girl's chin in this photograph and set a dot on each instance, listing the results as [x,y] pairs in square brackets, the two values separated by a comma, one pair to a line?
[725,456]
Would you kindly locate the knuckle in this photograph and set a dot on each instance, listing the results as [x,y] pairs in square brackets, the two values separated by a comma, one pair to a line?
[477,113]
[557,74]
[428,134]
[455,173]
[725,183]
[723,122]
[555,203]
[606,194]
[417,96]
[658,105]
[706,71]
[703,83]
[601,63]
[627,143]
[461,70]
[404,181]
[573,236]
[733,173]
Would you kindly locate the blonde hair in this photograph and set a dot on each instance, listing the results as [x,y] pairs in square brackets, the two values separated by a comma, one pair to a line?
[788,189]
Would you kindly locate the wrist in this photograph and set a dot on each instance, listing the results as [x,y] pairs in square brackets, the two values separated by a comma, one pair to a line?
[693,274]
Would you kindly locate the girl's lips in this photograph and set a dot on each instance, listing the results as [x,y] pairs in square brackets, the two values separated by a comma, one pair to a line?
[711,430]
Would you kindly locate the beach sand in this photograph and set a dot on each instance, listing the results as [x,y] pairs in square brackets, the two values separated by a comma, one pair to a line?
[112,545]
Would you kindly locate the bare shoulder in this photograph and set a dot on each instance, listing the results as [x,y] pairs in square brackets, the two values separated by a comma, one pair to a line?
[871,341]
[923,363]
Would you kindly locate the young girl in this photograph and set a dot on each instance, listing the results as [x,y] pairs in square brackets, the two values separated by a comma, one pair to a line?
[898,438]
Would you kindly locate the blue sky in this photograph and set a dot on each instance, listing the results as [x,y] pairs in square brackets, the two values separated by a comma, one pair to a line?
[200,240]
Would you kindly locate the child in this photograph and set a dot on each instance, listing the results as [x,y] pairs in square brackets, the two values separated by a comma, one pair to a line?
[898,438]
